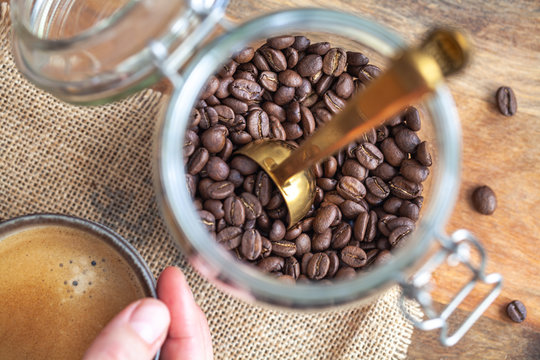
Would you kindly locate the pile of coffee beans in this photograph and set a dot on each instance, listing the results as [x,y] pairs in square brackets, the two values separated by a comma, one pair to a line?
[368,195]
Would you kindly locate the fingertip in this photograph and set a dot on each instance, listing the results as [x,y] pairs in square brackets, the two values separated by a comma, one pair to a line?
[150,320]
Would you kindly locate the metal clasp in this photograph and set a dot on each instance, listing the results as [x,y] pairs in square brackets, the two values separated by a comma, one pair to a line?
[455,250]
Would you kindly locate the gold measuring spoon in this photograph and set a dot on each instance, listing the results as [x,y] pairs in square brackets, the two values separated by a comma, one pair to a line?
[416,72]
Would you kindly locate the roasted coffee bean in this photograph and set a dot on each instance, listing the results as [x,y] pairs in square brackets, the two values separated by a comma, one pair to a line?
[292,267]
[214,138]
[258,124]
[410,210]
[278,213]
[422,154]
[273,109]
[293,232]
[266,247]
[198,161]
[227,150]
[305,261]
[516,311]
[230,237]
[249,183]
[341,236]
[203,186]
[294,114]
[290,78]
[361,225]
[260,62]
[274,58]
[238,106]
[321,241]
[324,84]
[398,234]
[292,57]
[382,225]
[292,131]
[284,95]
[382,133]
[368,73]
[243,56]
[303,244]
[307,121]
[252,205]
[344,86]
[382,258]
[318,266]
[484,200]
[412,119]
[283,248]
[345,273]
[372,199]
[217,169]
[334,263]
[371,228]
[225,114]
[413,171]
[319,48]
[220,190]
[215,207]
[245,90]
[350,209]
[385,171]
[353,256]
[333,197]
[377,187]
[354,168]
[228,69]
[419,201]
[235,213]
[277,232]
[334,62]
[399,221]
[275,201]
[269,80]
[407,140]
[356,58]
[210,87]
[333,102]
[245,75]
[263,188]
[280,42]
[220,225]
[208,220]
[369,156]
[368,137]
[393,155]
[506,101]
[324,218]
[303,91]
[191,142]
[309,65]
[301,43]
[244,165]
[322,116]
[251,244]
[191,184]
[351,188]
[271,264]
[405,189]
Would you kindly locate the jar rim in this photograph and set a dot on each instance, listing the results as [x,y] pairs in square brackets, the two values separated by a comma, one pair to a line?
[172,187]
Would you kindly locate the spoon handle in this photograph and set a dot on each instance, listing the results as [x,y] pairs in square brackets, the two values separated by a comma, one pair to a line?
[415,73]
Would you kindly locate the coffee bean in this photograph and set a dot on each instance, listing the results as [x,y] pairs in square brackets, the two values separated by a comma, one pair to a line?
[251,244]
[252,205]
[301,43]
[266,247]
[377,187]
[324,218]
[333,102]
[238,106]
[292,131]
[230,237]
[208,220]
[245,90]
[484,200]
[263,188]
[318,266]
[405,189]
[284,95]
[353,256]
[220,190]
[422,155]
[356,58]
[334,263]
[198,161]
[258,124]
[210,87]
[351,188]
[271,264]
[277,232]
[506,101]
[344,86]
[407,140]
[244,165]
[516,311]
[283,248]
[412,119]
[292,57]
[303,244]
[382,258]
[215,207]
[369,156]
[351,209]
[228,69]
[334,62]
[191,142]
[309,65]
[214,138]
[341,236]
[368,73]
[273,109]
[319,48]
[290,78]
[217,169]
[274,58]
[393,155]
[321,241]
[410,210]
[345,273]
[235,213]
[280,42]
[269,80]
[361,225]
[398,234]
[382,225]
[191,184]
[245,55]
[413,171]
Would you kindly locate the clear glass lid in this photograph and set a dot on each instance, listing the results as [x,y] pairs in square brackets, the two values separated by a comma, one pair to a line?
[91,52]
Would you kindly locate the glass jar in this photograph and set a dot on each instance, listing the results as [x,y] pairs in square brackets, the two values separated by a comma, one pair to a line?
[78,68]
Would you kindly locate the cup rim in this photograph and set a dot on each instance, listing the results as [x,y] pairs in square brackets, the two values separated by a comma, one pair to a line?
[181,216]
[121,245]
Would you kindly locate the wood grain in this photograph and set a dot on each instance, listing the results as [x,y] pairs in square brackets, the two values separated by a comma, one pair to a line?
[502,152]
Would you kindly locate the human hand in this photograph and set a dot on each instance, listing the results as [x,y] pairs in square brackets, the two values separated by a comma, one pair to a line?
[174,322]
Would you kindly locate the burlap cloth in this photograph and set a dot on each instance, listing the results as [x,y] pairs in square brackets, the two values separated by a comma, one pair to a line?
[95,163]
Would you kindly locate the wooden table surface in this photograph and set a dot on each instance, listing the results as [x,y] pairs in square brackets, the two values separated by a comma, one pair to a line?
[502,152]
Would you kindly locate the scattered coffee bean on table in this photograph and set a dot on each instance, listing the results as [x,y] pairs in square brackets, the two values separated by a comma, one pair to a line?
[506,101]
[484,200]
[516,311]
[368,195]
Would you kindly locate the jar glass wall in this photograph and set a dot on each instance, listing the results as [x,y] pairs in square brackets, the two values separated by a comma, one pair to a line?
[440,128]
